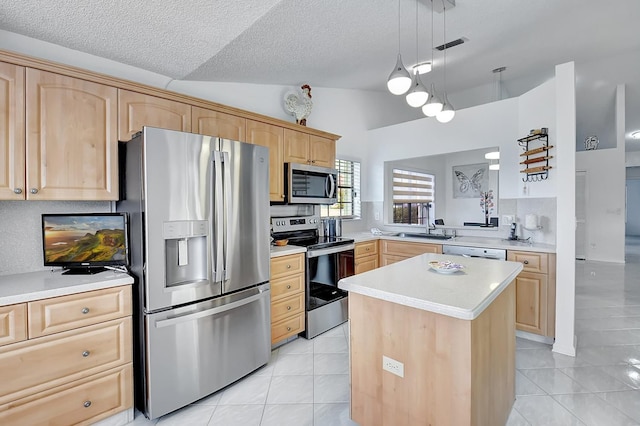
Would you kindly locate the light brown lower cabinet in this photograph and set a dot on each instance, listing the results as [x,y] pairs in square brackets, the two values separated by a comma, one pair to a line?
[366,256]
[287,296]
[535,292]
[77,369]
[392,251]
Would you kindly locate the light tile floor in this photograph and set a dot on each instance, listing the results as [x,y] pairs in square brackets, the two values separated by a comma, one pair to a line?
[307,382]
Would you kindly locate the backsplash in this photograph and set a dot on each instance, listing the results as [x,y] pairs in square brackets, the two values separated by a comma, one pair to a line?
[21,230]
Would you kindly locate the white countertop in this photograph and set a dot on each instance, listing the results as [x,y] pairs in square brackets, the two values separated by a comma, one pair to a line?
[464,294]
[277,251]
[484,242]
[20,288]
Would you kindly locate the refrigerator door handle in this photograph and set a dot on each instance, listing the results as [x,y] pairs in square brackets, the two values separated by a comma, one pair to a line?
[217,218]
[227,213]
[209,312]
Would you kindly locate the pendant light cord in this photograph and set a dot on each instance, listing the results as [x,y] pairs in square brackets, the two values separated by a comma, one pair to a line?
[444,35]
[432,63]
[399,26]
[415,68]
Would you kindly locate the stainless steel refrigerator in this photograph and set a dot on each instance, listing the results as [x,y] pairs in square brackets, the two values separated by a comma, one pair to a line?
[199,233]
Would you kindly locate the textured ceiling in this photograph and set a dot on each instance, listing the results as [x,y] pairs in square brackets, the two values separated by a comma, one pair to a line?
[348,44]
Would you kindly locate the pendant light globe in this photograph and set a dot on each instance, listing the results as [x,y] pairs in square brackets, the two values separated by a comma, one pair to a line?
[433,105]
[447,113]
[399,80]
[417,95]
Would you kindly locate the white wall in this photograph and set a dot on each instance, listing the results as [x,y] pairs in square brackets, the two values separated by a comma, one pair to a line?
[565,112]
[482,126]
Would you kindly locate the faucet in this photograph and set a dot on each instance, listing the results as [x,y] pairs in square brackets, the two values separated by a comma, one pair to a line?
[429,228]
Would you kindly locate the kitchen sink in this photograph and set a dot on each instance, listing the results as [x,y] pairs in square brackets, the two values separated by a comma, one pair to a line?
[426,236]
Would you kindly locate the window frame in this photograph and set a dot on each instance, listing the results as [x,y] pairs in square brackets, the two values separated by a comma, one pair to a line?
[335,210]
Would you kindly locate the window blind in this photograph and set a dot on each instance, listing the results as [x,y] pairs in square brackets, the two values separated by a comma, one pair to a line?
[412,187]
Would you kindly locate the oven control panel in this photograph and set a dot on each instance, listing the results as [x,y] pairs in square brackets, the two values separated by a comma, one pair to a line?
[283,224]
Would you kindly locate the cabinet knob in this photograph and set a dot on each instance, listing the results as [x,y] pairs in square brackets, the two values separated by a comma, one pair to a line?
[85,310]
[288,328]
[282,196]
[87,404]
[313,161]
[86,354]
[34,190]
[17,191]
[289,287]
[288,266]
[288,308]
[526,262]
[367,249]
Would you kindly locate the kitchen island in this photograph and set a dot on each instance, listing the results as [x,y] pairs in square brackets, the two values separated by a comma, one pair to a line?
[446,343]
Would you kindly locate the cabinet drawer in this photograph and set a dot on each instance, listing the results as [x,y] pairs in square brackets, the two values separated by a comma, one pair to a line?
[287,328]
[366,248]
[286,307]
[532,262]
[39,364]
[64,313]
[283,287]
[365,264]
[13,323]
[399,248]
[287,265]
[82,402]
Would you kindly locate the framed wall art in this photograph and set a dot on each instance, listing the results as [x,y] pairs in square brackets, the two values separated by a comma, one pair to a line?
[470,180]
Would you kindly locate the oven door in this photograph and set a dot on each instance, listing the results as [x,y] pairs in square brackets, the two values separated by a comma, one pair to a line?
[326,305]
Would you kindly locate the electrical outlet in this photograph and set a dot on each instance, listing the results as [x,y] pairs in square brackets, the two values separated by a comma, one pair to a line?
[393,366]
[376,216]
[507,219]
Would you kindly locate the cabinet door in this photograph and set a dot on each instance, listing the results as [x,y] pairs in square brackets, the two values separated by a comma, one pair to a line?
[365,264]
[214,123]
[322,151]
[12,178]
[399,248]
[531,302]
[72,145]
[296,147]
[136,110]
[272,137]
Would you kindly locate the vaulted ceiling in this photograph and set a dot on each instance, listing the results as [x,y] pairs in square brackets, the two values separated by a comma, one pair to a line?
[353,44]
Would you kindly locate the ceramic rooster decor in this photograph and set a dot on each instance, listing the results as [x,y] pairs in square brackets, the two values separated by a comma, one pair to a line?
[299,104]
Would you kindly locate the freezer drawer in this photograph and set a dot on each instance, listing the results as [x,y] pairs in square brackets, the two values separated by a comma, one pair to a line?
[196,350]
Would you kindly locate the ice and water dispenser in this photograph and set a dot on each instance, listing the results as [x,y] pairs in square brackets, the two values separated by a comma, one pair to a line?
[186,244]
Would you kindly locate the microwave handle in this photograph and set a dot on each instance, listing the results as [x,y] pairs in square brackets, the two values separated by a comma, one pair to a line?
[332,188]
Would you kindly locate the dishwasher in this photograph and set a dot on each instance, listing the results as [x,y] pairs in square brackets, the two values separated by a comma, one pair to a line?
[487,253]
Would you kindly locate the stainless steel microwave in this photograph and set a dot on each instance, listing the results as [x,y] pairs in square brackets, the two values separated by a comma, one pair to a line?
[306,184]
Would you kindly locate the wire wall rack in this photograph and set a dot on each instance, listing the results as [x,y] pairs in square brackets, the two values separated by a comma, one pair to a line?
[535,158]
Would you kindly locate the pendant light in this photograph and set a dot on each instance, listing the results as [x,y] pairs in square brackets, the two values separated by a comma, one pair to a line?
[417,95]
[447,112]
[434,104]
[399,80]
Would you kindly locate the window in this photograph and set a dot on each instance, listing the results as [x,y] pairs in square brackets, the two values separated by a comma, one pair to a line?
[413,195]
[348,204]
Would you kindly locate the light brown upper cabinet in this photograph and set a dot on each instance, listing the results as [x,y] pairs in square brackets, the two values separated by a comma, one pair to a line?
[214,123]
[12,166]
[309,149]
[322,151]
[272,137]
[136,110]
[72,145]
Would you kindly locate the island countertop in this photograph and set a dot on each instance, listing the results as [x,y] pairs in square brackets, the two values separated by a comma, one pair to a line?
[412,282]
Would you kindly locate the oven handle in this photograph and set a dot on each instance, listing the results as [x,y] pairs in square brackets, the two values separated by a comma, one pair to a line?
[330,250]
